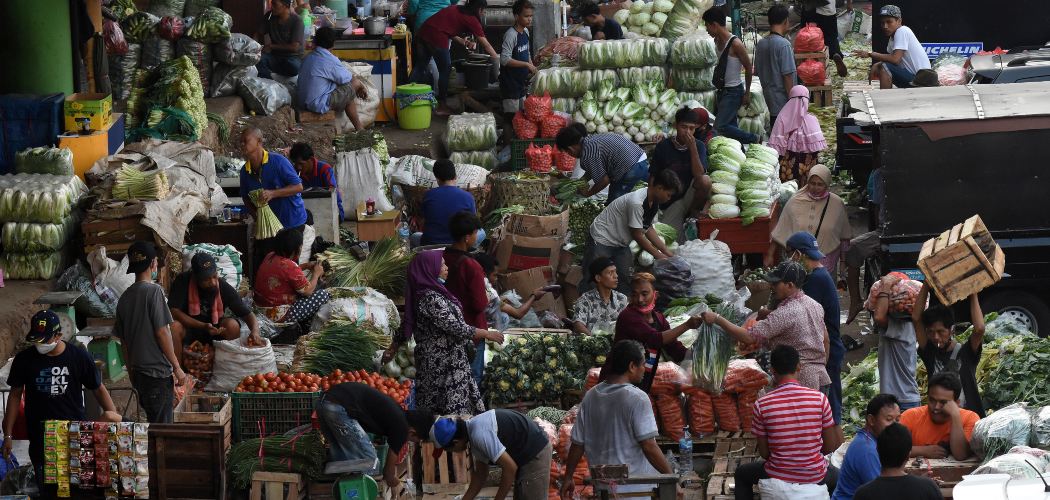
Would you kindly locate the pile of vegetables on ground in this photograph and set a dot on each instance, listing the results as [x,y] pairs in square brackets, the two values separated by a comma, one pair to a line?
[641,113]
[384,269]
[312,382]
[541,367]
[171,105]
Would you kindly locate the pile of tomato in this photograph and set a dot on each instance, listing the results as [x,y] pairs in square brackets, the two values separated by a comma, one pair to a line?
[308,382]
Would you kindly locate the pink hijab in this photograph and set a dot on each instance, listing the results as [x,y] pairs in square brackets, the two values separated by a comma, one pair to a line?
[796,128]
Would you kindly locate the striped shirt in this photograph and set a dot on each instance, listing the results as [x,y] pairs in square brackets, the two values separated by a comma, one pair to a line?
[610,155]
[791,418]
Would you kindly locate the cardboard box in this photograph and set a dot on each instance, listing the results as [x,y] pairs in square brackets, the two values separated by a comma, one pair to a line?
[518,253]
[570,286]
[538,225]
[96,107]
[524,282]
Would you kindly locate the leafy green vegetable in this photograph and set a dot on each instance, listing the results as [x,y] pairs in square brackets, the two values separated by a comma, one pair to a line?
[713,349]
[471,132]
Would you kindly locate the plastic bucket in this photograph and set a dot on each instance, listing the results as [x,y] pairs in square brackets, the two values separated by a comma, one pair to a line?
[414,113]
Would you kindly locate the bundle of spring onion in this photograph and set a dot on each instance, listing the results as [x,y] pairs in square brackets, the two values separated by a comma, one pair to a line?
[384,269]
[299,453]
[567,191]
[266,222]
[495,218]
[344,345]
[134,184]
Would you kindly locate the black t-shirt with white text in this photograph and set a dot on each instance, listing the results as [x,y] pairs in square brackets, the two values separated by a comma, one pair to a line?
[179,298]
[53,385]
[964,364]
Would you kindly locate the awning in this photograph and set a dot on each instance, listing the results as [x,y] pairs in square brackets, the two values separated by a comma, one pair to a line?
[962,102]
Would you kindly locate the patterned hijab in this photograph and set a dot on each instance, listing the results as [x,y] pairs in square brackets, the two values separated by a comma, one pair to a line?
[423,274]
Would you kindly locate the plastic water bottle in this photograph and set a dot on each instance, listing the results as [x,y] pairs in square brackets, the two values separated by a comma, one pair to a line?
[403,233]
[685,453]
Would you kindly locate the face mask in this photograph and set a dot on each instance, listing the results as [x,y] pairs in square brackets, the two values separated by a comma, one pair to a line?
[441,280]
[45,348]
[648,308]
[153,276]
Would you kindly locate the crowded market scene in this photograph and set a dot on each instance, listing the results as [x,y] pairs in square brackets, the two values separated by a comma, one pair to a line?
[529,249]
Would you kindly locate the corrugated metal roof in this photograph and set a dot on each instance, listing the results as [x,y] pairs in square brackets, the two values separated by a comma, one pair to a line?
[934,104]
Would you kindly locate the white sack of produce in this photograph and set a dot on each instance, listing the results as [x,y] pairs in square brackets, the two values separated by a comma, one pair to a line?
[775,489]
[1021,462]
[227,260]
[471,132]
[224,79]
[711,263]
[360,176]
[366,108]
[366,304]
[238,50]
[685,18]
[262,95]
[234,360]
[415,170]
[1002,430]
[645,51]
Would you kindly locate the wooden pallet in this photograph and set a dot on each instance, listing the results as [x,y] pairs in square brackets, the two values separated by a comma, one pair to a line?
[729,454]
[820,56]
[821,95]
[450,467]
[277,486]
[849,86]
[704,446]
[962,261]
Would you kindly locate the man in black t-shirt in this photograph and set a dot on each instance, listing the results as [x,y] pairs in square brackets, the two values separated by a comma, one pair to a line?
[198,300]
[686,156]
[51,375]
[939,350]
[894,446]
[349,410]
[281,36]
[602,28]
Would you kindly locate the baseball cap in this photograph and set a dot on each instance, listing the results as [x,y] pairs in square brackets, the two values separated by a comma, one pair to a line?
[42,326]
[805,243]
[441,434]
[926,78]
[787,271]
[890,10]
[140,256]
[203,265]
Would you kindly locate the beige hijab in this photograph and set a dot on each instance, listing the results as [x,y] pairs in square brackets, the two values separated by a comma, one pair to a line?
[803,212]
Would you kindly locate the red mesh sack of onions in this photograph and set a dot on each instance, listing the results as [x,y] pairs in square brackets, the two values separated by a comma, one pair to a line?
[523,127]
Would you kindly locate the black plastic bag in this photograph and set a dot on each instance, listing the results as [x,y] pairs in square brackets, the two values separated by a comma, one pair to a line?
[674,279]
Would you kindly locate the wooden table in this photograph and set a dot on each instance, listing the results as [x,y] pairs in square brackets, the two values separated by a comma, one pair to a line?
[947,472]
[376,227]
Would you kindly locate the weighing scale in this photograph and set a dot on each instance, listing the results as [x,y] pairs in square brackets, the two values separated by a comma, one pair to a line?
[62,303]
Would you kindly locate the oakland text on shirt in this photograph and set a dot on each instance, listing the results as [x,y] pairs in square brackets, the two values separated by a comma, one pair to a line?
[53,380]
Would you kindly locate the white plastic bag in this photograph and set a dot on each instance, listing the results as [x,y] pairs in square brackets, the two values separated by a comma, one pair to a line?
[775,489]
[360,176]
[711,263]
[262,95]
[110,273]
[366,108]
[369,305]
[234,360]
[309,235]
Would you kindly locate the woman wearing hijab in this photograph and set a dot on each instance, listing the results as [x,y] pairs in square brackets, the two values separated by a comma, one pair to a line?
[444,341]
[817,211]
[641,321]
[797,137]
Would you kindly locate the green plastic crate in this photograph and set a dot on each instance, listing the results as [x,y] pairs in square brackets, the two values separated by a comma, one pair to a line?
[259,414]
[517,151]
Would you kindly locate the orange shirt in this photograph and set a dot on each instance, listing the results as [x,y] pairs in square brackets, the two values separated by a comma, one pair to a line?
[924,432]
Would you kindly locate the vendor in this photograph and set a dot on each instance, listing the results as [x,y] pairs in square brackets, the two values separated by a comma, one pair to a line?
[346,412]
[440,203]
[686,156]
[629,218]
[282,290]
[436,36]
[198,300]
[516,60]
[797,137]
[505,438]
[643,323]
[602,28]
[281,186]
[598,308]
[861,463]
[608,159]
[281,36]
[905,55]
[797,321]
[941,426]
[499,311]
[315,173]
[325,84]
[55,374]
[939,350]
[817,211]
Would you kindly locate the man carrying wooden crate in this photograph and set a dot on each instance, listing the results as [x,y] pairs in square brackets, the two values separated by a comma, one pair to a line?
[939,350]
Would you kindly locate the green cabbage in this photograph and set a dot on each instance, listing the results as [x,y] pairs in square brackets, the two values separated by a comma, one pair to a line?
[755,170]
[719,161]
[723,211]
[725,199]
[589,109]
[748,215]
[719,188]
[471,132]
[692,78]
[663,6]
[724,177]
[641,18]
[630,111]
[639,75]
[694,51]
[727,150]
[747,185]
[621,16]
[749,195]
[612,108]
[722,141]
[668,233]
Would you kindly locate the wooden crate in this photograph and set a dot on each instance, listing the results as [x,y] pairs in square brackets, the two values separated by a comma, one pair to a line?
[729,453]
[820,95]
[203,409]
[947,471]
[962,261]
[446,469]
[187,461]
[277,486]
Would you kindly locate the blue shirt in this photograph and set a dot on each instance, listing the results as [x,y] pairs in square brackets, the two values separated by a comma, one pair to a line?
[820,287]
[322,175]
[860,467]
[319,75]
[423,9]
[277,172]
[439,204]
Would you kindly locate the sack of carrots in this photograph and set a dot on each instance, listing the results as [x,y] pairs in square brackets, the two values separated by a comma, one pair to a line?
[726,412]
[668,407]
[701,411]
[670,373]
[745,404]
[556,472]
[744,375]
[564,441]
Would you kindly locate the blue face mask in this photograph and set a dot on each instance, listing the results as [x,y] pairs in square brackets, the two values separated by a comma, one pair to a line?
[153,276]
[441,280]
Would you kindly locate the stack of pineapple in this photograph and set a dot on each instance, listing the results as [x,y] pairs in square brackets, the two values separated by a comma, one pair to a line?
[541,367]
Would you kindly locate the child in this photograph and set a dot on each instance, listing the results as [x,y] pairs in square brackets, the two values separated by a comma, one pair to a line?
[941,352]
[515,59]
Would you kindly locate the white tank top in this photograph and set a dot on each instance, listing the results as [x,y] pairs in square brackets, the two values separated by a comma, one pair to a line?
[733,68]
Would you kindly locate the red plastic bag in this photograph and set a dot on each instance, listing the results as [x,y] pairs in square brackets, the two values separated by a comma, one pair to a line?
[539,159]
[538,107]
[564,162]
[551,124]
[171,28]
[523,127]
[812,72]
[114,38]
[809,39]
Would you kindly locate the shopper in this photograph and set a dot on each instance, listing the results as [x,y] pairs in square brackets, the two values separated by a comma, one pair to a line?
[941,427]
[905,55]
[733,92]
[515,58]
[825,16]
[315,173]
[602,28]
[939,350]
[797,137]
[817,211]
[609,160]
[49,378]
[281,36]
[466,281]
[686,156]
[797,321]
[641,322]
[615,424]
[894,481]
[629,218]
[775,61]
[198,302]
[505,438]
[282,291]
[794,429]
[348,412]
[597,309]
[498,312]
[861,464]
[897,351]
[325,84]
[141,324]
[440,203]
[820,287]
[436,34]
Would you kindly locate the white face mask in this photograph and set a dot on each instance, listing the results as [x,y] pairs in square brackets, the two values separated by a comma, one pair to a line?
[45,348]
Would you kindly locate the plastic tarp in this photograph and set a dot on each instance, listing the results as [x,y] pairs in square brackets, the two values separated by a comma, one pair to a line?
[262,95]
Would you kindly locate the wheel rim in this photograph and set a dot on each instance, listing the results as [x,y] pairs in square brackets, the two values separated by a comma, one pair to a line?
[1021,315]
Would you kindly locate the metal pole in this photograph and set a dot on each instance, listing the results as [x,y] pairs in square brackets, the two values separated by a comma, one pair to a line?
[734,13]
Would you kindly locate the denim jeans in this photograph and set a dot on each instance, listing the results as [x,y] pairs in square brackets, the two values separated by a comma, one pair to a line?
[902,78]
[156,396]
[282,65]
[621,256]
[834,367]
[442,57]
[477,365]
[639,172]
[346,439]
[909,405]
[729,101]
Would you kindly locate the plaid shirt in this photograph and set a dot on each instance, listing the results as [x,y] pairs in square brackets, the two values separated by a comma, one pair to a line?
[608,154]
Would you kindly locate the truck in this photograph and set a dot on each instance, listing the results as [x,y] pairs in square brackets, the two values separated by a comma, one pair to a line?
[947,153]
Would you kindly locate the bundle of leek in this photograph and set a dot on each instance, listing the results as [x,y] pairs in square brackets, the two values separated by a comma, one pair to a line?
[266,222]
[385,269]
[134,184]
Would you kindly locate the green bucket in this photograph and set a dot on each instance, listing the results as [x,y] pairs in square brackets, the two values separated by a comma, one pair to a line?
[357,487]
[415,103]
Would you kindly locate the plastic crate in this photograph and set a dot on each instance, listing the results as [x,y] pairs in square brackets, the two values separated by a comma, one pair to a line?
[270,413]
[517,150]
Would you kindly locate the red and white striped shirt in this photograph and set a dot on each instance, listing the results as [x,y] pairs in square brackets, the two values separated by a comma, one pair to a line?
[791,418]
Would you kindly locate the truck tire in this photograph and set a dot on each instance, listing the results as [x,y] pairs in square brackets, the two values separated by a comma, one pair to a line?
[1027,307]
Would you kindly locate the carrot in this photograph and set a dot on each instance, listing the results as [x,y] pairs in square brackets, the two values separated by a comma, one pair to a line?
[726,412]
[745,406]
[744,375]
[592,378]
[669,409]
[701,413]
[670,373]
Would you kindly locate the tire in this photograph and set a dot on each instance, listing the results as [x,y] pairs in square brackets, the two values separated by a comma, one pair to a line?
[1031,309]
